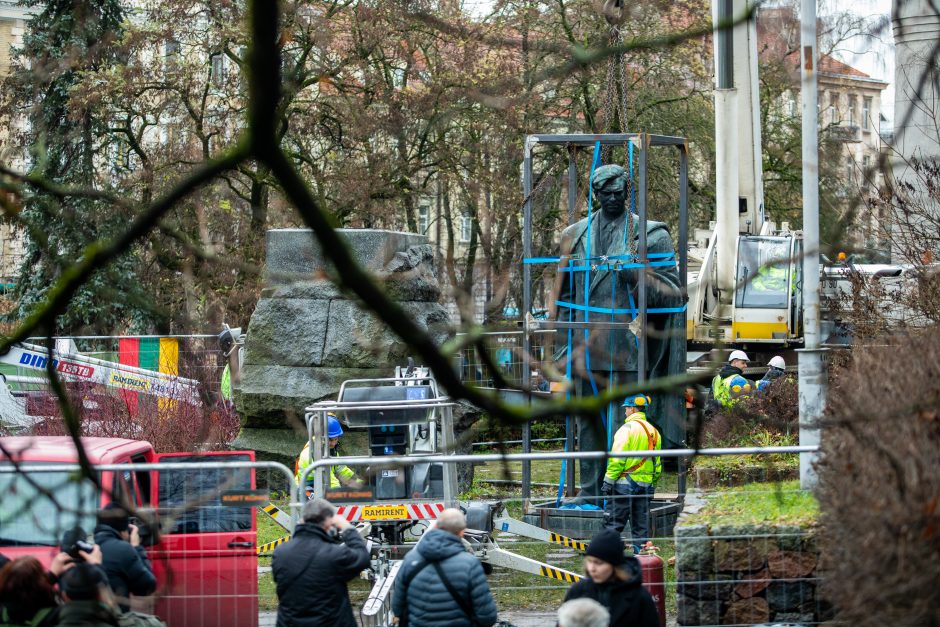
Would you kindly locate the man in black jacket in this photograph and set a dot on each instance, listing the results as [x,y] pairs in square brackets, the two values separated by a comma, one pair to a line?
[124,560]
[311,571]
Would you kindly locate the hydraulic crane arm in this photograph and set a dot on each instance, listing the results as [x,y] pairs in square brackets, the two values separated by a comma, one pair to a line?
[74,367]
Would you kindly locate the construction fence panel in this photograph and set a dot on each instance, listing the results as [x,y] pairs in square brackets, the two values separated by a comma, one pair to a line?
[735,547]
[202,520]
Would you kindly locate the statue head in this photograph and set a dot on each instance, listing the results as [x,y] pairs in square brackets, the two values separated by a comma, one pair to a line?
[610,185]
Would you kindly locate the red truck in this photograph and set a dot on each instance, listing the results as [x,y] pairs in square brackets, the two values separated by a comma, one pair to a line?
[204,556]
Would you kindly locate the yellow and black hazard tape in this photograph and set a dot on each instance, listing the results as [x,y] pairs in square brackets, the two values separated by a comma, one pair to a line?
[556,538]
[277,515]
[270,546]
[560,575]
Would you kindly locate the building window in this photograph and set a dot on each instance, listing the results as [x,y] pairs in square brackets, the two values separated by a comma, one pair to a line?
[866,172]
[171,53]
[466,228]
[849,167]
[851,110]
[834,107]
[866,113]
[424,218]
[218,69]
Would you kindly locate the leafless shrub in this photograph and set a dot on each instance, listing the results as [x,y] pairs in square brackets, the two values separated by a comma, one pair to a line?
[169,425]
[769,417]
[879,486]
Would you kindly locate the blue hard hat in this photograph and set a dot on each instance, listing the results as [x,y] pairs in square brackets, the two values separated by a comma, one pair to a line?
[637,400]
[334,428]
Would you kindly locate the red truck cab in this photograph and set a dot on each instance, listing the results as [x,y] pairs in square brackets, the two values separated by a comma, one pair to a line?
[204,556]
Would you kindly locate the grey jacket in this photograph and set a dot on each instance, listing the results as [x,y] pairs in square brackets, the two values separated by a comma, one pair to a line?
[428,602]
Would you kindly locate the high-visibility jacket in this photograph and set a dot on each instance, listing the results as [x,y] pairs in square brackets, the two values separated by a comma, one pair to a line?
[226,386]
[721,390]
[636,434]
[770,279]
[338,474]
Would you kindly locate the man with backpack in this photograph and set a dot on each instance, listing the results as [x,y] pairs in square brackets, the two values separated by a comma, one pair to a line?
[440,583]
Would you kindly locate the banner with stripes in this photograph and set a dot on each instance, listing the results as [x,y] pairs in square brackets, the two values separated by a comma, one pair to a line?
[160,354]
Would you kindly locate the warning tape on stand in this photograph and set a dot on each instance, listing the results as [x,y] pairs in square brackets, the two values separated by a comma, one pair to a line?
[557,538]
[557,573]
[277,515]
[270,546]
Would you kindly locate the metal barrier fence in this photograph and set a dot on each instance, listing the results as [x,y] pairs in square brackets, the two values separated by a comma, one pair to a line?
[741,551]
[203,523]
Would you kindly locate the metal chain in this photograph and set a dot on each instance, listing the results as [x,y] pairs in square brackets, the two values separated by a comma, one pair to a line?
[621,61]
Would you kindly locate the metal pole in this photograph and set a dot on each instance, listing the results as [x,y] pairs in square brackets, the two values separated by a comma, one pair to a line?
[812,374]
[572,183]
[526,309]
[641,254]
[570,485]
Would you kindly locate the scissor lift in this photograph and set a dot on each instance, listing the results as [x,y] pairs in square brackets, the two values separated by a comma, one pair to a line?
[408,415]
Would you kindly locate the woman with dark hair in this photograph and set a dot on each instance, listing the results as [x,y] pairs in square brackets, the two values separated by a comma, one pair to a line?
[615,581]
[27,594]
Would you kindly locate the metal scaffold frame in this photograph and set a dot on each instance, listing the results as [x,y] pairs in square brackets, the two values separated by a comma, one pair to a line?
[642,143]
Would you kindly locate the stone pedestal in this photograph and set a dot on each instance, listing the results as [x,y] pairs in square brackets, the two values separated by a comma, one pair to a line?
[305,337]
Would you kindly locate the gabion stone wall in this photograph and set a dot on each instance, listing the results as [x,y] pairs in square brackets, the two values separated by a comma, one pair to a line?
[747,574]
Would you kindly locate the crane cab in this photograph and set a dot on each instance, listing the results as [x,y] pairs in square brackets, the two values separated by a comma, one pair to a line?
[767,296]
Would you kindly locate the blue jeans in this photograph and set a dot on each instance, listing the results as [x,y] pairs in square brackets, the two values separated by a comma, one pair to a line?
[630,501]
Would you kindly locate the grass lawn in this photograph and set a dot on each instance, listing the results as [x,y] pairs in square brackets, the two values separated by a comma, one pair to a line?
[779,502]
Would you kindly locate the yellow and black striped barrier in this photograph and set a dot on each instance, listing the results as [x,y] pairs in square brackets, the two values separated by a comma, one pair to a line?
[556,538]
[277,515]
[270,546]
[557,573]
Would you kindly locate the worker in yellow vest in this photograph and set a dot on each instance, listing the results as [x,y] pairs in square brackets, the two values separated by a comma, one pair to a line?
[729,384]
[340,475]
[630,482]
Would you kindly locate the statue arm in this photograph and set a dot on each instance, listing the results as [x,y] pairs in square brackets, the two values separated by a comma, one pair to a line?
[663,285]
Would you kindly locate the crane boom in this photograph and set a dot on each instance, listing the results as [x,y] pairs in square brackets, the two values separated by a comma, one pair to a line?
[82,368]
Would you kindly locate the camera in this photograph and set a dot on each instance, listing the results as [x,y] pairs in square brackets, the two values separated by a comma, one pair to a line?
[75,540]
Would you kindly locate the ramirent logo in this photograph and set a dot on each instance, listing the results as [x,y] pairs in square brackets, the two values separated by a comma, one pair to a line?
[126,381]
[33,360]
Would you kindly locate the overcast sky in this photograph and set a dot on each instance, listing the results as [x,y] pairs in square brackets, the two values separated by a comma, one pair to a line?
[872,55]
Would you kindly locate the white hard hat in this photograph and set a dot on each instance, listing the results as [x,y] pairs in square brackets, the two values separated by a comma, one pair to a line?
[738,355]
[777,362]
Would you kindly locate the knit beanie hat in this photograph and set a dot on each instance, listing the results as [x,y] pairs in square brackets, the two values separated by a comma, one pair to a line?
[607,545]
[82,582]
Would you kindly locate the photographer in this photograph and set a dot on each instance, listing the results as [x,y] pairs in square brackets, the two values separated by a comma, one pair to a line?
[27,591]
[311,571]
[124,560]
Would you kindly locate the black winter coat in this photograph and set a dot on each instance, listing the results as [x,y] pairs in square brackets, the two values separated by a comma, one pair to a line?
[311,572]
[629,603]
[127,567]
[429,604]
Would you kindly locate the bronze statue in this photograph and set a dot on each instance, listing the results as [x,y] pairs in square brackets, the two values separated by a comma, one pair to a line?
[589,276]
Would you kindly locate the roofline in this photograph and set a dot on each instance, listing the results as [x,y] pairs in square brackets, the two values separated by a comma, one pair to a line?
[850,77]
[13,11]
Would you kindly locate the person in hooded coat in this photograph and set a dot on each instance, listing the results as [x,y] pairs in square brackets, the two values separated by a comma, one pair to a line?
[440,583]
[615,581]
